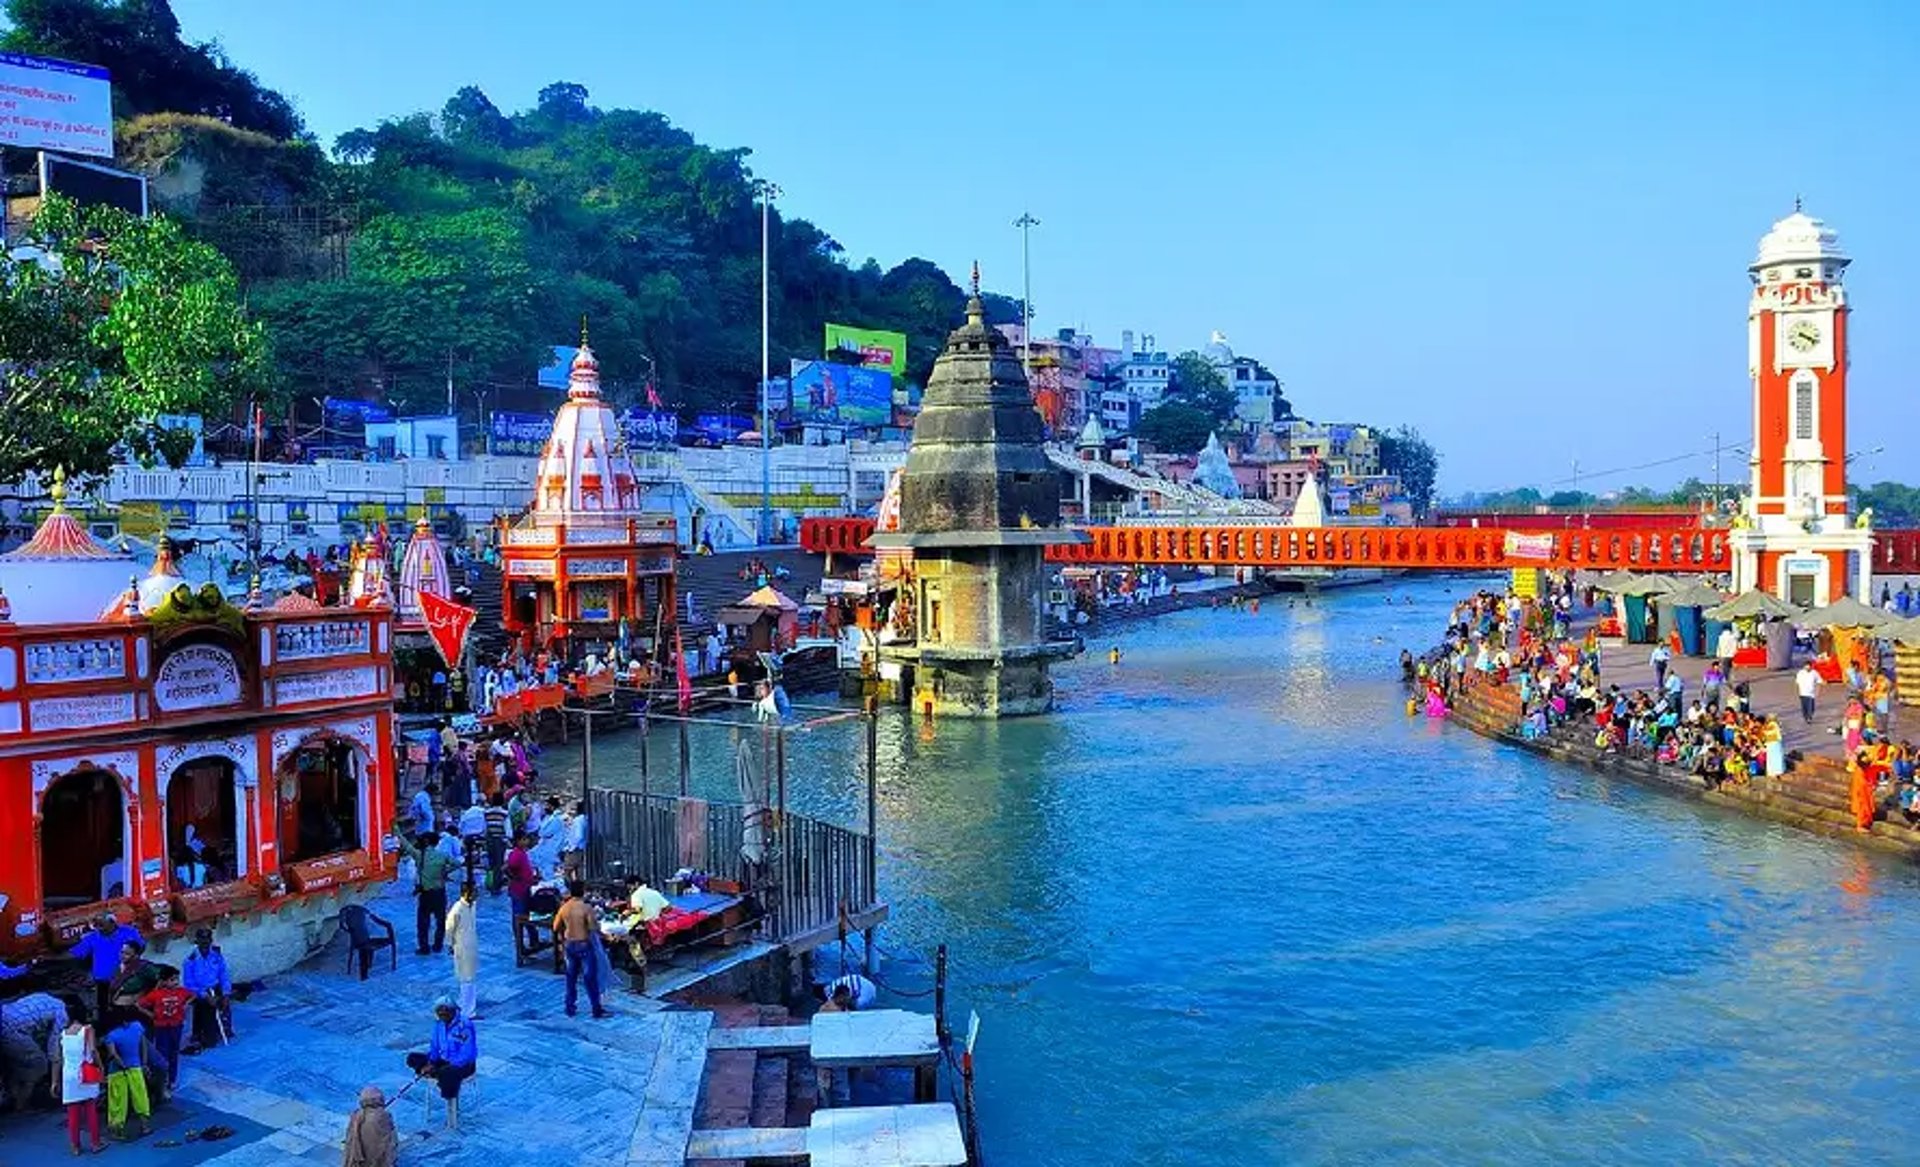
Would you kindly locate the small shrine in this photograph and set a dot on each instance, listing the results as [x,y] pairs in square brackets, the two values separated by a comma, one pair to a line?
[177,760]
[423,570]
[586,561]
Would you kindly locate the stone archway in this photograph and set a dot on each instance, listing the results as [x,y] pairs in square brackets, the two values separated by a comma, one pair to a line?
[324,785]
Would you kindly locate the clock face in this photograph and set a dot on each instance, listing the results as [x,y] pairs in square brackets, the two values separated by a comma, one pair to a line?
[1803,335]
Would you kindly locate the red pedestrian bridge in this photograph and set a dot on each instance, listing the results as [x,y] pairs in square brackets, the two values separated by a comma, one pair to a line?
[1278,547]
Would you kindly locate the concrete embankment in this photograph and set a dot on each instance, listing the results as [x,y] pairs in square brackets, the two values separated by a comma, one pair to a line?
[1812,795]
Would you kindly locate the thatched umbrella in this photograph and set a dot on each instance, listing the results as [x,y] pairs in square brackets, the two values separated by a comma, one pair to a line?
[1752,605]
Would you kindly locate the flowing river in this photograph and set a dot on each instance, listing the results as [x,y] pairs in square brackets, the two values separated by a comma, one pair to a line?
[1230,905]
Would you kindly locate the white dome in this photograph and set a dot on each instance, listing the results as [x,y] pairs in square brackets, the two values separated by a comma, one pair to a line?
[1799,238]
[62,575]
[1217,353]
[584,469]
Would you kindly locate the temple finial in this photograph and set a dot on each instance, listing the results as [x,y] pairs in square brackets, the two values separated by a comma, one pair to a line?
[583,330]
[58,491]
[976,277]
[1796,204]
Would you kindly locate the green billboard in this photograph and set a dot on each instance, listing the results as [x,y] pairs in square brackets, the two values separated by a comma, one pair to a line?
[878,348]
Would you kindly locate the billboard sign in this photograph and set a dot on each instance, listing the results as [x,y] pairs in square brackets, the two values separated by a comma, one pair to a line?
[878,349]
[826,392]
[347,412]
[650,429]
[722,427]
[49,104]
[559,369]
[93,185]
[518,434]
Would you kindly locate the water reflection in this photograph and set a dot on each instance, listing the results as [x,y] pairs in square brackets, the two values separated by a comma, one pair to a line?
[1232,906]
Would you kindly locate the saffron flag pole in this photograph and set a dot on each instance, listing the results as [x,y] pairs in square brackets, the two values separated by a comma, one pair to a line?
[448,624]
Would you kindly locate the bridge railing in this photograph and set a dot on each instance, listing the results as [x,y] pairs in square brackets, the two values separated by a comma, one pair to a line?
[1430,548]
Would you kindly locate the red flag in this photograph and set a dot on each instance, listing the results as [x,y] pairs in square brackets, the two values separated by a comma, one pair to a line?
[447,623]
[680,674]
[653,395]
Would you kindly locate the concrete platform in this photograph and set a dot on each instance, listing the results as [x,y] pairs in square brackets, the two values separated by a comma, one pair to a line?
[925,1135]
[879,1037]
[626,1087]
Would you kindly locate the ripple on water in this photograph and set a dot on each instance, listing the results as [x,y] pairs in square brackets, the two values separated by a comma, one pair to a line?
[1231,906]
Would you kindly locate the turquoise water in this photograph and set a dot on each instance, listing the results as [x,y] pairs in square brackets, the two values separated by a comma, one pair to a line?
[1231,906]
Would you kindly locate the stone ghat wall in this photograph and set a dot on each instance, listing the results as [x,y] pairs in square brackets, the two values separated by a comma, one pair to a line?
[1812,795]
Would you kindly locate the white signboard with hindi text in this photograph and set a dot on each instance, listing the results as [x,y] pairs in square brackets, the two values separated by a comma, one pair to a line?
[47,104]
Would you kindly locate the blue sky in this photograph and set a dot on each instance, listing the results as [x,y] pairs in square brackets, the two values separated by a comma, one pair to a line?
[1523,228]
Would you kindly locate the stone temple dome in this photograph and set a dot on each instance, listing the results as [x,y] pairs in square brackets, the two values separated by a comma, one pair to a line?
[1217,353]
[585,470]
[1799,238]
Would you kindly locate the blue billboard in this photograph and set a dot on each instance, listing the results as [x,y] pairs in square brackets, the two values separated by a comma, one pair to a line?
[645,429]
[825,392]
[522,434]
[722,427]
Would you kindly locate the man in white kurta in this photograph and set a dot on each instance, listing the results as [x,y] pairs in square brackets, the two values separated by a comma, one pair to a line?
[463,941]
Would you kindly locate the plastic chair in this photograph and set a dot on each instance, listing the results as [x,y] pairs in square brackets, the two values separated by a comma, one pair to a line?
[359,923]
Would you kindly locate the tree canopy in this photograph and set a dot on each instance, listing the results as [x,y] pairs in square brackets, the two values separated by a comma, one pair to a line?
[1174,427]
[1403,452]
[109,322]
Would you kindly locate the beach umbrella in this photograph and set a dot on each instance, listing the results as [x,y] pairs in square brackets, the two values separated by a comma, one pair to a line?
[1847,612]
[1649,585]
[1695,594]
[1906,632]
[1752,605]
[1615,581]
[753,800]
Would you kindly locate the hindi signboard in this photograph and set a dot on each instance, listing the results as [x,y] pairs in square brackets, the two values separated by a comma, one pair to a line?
[1529,547]
[50,104]
[197,676]
[518,434]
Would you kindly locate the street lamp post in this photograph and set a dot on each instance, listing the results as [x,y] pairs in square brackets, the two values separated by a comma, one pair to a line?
[768,192]
[1026,222]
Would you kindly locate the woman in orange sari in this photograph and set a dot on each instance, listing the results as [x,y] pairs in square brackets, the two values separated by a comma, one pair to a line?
[1861,773]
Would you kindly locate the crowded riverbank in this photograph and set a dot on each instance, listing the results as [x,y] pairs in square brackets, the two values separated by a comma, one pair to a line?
[1745,738]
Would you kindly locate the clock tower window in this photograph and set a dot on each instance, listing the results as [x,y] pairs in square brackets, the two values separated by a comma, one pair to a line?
[1803,406]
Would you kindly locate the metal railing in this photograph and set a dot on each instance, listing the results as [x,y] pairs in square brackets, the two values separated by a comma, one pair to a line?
[811,871]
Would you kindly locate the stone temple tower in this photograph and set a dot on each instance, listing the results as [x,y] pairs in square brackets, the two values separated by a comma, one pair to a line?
[979,504]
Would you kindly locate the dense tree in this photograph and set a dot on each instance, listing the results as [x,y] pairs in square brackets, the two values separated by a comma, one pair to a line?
[1894,504]
[1403,452]
[138,42]
[1197,384]
[1175,427]
[108,322]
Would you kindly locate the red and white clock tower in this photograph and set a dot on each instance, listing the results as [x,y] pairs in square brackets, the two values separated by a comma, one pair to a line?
[1794,538]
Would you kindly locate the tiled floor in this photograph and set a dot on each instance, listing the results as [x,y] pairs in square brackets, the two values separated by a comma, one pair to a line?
[551,1090]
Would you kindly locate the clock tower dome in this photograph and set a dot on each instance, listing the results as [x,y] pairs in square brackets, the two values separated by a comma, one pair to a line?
[1794,537]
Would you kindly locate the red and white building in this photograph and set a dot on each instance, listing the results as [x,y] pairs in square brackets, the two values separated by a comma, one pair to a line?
[180,761]
[1794,537]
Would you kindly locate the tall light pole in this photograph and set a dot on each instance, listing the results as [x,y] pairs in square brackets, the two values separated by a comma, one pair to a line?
[1026,222]
[768,193]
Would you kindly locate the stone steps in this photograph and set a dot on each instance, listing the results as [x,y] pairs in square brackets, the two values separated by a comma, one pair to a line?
[754,1066]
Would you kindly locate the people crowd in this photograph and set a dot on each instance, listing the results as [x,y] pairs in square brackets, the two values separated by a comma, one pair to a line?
[1712,732]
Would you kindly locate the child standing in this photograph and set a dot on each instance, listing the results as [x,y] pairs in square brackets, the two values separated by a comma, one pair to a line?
[127,1077]
[79,1085]
[166,1006]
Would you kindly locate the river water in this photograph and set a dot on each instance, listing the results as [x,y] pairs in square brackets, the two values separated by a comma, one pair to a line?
[1230,905]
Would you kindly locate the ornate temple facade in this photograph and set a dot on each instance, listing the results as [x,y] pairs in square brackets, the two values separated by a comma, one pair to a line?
[177,760]
[586,559]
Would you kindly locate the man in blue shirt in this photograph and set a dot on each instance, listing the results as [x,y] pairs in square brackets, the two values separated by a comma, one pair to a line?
[101,950]
[451,1055]
[205,976]
[421,810]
